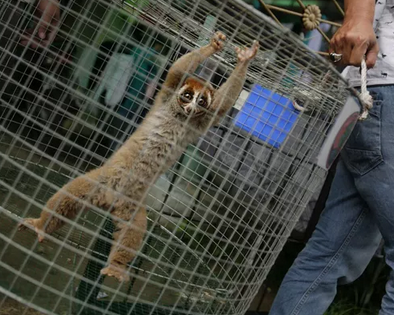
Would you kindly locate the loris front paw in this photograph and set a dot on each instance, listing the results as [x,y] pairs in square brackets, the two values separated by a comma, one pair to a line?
[32,224]
[248,53]
[117,271]
[217,41]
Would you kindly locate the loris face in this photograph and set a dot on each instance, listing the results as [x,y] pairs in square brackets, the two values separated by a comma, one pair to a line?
[195,97]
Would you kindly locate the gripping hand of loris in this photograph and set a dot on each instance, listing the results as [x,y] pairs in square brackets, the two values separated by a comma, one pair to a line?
[246,55]
[217,41]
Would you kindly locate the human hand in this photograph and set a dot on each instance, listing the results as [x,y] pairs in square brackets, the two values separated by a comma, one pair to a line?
[354,40]
[48,13]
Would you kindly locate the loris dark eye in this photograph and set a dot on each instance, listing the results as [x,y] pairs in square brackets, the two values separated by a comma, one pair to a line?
[187,96]
[202,102]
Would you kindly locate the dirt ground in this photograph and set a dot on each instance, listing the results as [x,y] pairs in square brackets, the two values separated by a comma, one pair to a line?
[19,270]
[34,272]
[11,307]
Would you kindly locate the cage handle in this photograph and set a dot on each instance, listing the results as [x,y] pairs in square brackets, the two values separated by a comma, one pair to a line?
[298,107]
[365,96]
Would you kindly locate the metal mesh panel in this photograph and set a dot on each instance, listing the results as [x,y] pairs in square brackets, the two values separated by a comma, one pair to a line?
[303,12]
[217,219]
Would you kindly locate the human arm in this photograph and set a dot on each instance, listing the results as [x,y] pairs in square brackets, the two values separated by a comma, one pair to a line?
[356,38]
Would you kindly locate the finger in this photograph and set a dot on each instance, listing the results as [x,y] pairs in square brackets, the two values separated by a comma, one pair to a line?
[337,48]
[346,53]
[44,43]
[344,48]
[47,19]
[357,54]
[372,56]
[347,48]
[25,37]
[332,46]
[336,44]
[43,24]
[36,42]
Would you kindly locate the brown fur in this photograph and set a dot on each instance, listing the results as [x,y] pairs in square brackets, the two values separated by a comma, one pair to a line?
[199,85]
[121,184]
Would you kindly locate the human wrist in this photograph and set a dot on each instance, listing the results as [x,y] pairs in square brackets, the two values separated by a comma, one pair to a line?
[359,11]
[356,19]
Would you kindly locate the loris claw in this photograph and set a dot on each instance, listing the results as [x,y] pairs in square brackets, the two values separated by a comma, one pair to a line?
[32,224]
[117,271]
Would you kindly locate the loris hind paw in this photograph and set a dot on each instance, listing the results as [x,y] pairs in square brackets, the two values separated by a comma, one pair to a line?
[32,224]
[117,271]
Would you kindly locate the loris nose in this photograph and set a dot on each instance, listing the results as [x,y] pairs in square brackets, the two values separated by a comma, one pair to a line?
[189,109]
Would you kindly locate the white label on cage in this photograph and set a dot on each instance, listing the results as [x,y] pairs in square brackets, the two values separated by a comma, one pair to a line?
[101,295]
[241,99]
[339,133]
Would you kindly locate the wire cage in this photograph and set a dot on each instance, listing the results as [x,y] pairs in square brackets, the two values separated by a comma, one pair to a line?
[219,217]
[312,17]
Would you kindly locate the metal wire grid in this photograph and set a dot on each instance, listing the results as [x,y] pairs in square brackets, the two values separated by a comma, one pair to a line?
[216,228]
[272,10]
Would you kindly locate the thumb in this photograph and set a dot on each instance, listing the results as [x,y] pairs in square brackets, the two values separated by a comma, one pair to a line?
[44,23]
[372,56]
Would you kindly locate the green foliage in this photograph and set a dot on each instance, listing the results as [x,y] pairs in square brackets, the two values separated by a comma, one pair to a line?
[348,308]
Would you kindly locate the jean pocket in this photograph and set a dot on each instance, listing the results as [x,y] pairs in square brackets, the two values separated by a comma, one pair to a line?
[363,150]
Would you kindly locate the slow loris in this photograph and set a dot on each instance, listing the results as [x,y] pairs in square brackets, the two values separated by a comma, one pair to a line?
[183,110]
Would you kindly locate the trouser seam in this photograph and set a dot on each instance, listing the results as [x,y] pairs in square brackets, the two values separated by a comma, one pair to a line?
[331,263]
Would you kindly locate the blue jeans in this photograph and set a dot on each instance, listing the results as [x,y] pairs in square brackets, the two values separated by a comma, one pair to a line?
[359,211]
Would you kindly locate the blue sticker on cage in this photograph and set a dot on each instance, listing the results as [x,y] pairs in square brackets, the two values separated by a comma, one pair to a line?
[267,115]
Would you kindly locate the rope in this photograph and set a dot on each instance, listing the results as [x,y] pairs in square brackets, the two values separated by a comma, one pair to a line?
[311,17]
[365,97]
